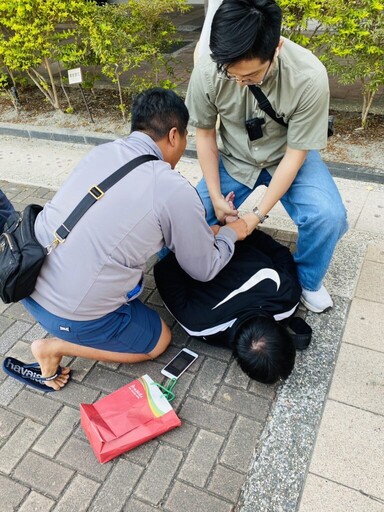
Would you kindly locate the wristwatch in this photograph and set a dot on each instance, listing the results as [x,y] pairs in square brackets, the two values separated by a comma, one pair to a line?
[259,215]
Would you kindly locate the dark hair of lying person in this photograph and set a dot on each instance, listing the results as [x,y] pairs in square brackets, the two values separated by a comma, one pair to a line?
[156,111]
[264,349]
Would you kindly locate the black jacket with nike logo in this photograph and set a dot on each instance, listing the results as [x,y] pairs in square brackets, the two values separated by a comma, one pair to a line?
[260,277]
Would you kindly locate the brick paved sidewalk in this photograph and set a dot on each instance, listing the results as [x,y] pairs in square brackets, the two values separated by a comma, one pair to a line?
[47,463]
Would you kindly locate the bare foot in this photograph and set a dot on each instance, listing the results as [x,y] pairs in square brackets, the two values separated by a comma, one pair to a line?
[44,350]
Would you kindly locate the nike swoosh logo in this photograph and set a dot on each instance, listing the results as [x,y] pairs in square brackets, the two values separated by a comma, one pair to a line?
[264,273]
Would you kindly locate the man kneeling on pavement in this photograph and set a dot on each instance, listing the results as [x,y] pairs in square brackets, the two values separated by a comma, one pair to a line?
[86,293]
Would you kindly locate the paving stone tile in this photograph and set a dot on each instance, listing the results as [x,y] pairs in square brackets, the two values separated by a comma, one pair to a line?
[9,389]
[353,199]
[226,482]
[21,351]
[183,496]
[41,191]
[57,432]
[142,454]
[155,299]
[179,337]
[206,416]
[110,366]
[75,394]
[135,505]
[18,444]
[181,390]
[17,311]
[225,354]
[5,323]
[12,493]
[201,458]
[151,368]
[180,437]
[149,282]
[8,422]
[371,216]
[236,377]
[80,368]
[375,253]
[242,402]
[43,475]
[208,379]
[35,406]
[36,502]
[371,282]
[12,335]
[78,495]
[164,314]
[49,195]
[36,332]
[22,195]
[106,380]
[145,294]
[241,443]
[267,391]
[359,378]
[357,461]
[365,324]
[324,496]
[159,474]
[79,455]
[3,306]
[113,494]
[79,432]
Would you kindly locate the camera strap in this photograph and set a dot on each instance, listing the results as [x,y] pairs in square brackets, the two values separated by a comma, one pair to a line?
[264,104]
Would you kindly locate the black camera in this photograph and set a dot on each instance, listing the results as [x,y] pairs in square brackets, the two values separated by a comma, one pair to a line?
[253,127]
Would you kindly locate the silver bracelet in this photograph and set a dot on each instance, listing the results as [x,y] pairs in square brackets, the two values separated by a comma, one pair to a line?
[259,215]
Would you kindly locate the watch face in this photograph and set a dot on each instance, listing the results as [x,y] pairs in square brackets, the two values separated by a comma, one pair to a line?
[259,215]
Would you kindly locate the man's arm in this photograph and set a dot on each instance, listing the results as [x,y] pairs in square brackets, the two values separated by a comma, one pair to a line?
[208,154]
[282,179]
[186,232]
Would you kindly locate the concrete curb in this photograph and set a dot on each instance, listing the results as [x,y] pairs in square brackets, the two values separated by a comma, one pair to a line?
[338,170]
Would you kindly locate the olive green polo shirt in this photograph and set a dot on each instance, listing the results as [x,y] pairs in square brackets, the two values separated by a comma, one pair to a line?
[298,90]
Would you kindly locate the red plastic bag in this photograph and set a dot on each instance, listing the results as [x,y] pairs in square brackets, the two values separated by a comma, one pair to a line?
[127,418]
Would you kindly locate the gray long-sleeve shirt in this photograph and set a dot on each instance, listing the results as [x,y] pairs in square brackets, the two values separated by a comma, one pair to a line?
[104,257]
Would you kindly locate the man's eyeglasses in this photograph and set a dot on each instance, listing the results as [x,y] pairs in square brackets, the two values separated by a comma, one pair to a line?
[251,78]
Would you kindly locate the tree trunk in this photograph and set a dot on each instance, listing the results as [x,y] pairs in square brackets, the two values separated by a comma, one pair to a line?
[55,99]
[122,106]
[35,80]
[64,89]
[367,103]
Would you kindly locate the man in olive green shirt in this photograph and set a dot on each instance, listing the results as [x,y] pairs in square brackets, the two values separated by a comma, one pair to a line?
[247,49]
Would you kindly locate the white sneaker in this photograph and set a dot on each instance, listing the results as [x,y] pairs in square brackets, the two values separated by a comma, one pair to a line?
[317,301]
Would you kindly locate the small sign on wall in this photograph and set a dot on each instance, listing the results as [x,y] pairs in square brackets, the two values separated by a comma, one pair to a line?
[75,76]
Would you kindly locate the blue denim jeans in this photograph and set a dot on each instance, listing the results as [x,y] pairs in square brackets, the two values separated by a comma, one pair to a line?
[314,204]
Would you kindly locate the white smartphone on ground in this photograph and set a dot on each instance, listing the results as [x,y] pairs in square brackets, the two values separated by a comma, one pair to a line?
[179,363]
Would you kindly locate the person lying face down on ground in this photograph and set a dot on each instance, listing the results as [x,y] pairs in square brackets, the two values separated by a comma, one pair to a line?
[86,294]
[243,307]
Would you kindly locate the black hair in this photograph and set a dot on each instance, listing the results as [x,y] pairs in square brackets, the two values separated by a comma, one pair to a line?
[264,349]
[245,30]
[156,111]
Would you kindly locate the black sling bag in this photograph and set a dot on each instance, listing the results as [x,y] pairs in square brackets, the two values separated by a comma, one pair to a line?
[265,105]
[21,254]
